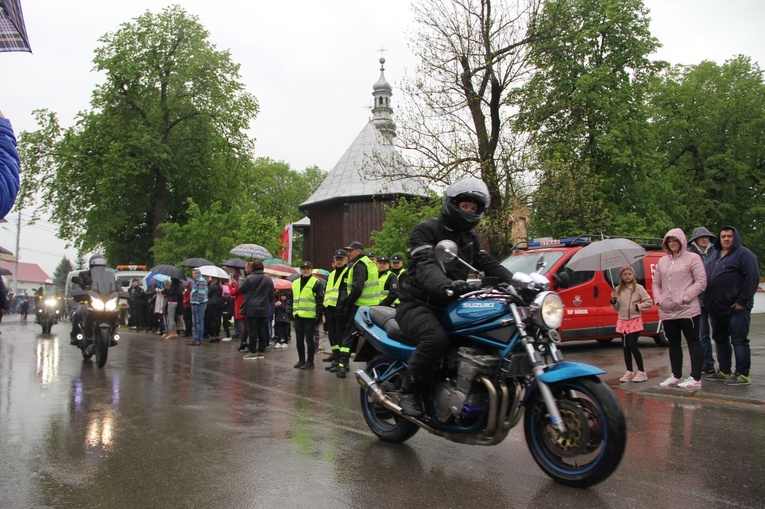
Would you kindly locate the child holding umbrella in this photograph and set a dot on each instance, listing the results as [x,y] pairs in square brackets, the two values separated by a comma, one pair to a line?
[630,299]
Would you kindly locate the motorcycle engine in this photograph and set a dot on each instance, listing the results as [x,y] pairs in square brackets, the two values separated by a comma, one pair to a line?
[462,396]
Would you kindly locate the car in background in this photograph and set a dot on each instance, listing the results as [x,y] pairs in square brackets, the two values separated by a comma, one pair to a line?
[587,294]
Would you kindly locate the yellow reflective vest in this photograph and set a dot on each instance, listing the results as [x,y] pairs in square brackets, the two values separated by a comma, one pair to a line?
[370,294]
[303,301]
[334,281]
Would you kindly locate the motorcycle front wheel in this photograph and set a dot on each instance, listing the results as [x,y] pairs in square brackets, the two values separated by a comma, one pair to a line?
[596,432]
[387,425]
[102,347]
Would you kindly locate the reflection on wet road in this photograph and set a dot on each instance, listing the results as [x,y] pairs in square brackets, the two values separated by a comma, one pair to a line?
[166,425]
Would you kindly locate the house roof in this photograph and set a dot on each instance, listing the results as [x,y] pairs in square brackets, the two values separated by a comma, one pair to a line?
[27,272]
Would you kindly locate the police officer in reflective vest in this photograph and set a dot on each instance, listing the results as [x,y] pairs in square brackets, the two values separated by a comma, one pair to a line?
[307,304]
[388,283]
[397,265]
[337,292]
[362,291]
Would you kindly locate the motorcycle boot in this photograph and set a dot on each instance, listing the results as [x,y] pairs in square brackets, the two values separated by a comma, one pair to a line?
[410,398]
[332,368]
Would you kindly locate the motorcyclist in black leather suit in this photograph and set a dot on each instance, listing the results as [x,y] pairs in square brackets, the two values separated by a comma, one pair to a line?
[428,285]
[96,262]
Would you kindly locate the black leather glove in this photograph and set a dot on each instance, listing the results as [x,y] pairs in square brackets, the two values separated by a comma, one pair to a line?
[459,287]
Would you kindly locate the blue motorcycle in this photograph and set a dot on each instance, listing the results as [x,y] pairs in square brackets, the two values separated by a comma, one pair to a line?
[503,364]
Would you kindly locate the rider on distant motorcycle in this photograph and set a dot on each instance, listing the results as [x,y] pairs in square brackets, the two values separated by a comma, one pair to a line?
[98,272]
[427,282]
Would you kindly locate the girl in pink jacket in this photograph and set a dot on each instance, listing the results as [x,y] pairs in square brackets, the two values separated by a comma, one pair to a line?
[678,281]
[630,299]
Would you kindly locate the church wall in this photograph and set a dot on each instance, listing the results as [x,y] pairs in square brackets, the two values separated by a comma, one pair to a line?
[335,225]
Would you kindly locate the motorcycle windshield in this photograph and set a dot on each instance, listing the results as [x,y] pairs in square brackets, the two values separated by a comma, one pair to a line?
[104,280]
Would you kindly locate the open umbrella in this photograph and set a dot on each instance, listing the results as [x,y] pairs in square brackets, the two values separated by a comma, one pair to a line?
[234,263]
[169,270]
[282,284]
[323,274]
[13,32]
[213,271]
[271,272]
[606,254]
[5,272]
[251,251]
[283,268]
[195,262]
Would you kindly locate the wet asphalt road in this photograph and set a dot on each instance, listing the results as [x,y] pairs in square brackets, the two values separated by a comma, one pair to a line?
[168,425]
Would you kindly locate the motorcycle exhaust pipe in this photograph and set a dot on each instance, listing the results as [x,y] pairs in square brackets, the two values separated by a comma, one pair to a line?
[374,390]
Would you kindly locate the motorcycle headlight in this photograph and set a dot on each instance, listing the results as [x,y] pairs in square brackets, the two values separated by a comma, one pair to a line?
[97,304]
[50,302]
[548,310]
[111,305]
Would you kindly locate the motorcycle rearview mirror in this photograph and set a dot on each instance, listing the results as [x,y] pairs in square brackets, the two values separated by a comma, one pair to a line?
[446,251]
[541,263]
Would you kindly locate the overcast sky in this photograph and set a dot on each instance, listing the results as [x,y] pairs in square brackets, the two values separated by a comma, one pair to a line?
[311,65]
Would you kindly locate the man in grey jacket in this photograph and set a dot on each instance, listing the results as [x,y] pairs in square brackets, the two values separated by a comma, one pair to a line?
[702,243]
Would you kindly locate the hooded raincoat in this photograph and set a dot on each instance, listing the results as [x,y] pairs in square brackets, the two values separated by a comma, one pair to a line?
[678,280]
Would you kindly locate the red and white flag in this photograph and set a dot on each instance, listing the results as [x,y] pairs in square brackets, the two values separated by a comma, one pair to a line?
[285,253]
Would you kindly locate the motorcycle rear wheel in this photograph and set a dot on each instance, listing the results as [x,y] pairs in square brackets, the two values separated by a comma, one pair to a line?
[385,424]
[593,445]
[102,348]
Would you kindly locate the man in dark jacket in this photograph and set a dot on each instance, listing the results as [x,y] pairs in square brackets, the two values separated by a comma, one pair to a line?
[428,285]
[702,243]
[258,291]
[734,276]
[137,304]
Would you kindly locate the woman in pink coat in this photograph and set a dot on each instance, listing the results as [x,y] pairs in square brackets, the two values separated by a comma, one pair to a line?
[678,281]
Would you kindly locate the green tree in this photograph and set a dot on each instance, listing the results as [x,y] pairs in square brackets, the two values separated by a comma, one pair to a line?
[59,275]
[168,123]
[586,107]
[212,233]
[272,192]
[710,125]
[400,220]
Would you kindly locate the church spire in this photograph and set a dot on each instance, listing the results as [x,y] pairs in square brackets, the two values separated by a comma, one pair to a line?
[382,113]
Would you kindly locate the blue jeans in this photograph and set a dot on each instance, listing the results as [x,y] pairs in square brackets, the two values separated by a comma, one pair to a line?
[730,334]
[198,319]
[708,363]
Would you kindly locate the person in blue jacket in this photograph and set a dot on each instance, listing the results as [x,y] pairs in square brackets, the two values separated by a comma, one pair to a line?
[9,167]
[733,278]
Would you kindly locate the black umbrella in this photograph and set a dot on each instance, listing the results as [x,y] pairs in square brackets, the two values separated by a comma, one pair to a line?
[234,263]
[195,262]
[5,272]
[13,33]
[170,271]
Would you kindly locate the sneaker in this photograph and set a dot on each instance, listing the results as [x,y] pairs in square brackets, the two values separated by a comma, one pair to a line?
[226,339]
[251,356]
[690,383]
[719,376]
[670,382]
[708,371]
[244,349]
[628,376]
[259,355]
[640,377]
[299,364]
[307,365]
[739,380]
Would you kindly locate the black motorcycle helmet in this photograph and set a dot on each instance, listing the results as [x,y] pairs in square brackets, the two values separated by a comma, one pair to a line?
[470,189]
[97,260]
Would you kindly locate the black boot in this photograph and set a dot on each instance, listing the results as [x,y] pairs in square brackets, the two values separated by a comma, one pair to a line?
[329,358]
[410,398]
[342,367]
